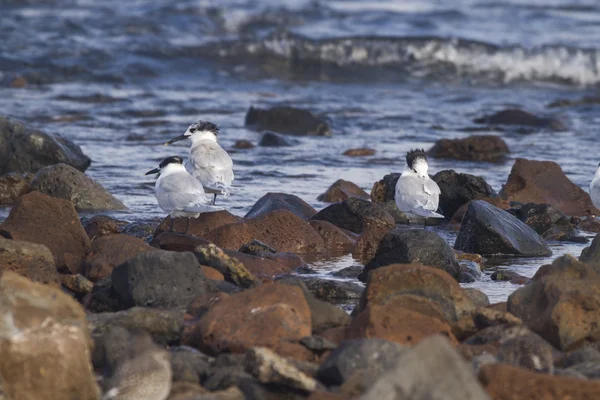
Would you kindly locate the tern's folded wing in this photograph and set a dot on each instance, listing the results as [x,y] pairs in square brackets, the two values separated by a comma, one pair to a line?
[180,192]
[211,165]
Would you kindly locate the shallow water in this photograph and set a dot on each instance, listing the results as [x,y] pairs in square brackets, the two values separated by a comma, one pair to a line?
[121,78]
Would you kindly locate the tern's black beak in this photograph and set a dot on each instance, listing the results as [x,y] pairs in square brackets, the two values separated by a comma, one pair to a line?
[153,171]
[177,139]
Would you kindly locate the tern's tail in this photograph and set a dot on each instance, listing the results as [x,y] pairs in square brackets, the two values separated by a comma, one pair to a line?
[420,211]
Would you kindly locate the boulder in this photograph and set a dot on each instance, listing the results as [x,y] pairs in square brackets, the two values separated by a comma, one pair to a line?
[544,182]
[342,190]
[232,269]
[591,255]
[76,284]
[189,365]
[13,185]
[355,215]
[489,230]
[418,246]
[332,291]
[282,230]
[65,182]
[141,229]
[478,298]
[287,120]
[110,251]
[101,225]
[272,139]
[159,279]
[360,152]
[458,189]
[32,260]
[200,226]
[52,222]
[44,342]
[473,148]
[528,351]
[385,189]
[549,222]
[336,240]
[270,368]
[514,116]
[348,272]
[243,144]
[368,243]
[281,201]
[25,149]
[588,224]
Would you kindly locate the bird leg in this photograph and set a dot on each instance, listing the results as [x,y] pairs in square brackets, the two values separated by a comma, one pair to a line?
[187,224]
[214,199]
[171,225]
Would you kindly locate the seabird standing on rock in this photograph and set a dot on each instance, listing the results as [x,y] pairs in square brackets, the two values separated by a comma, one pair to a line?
[595,189]
[178,192]
[207,162]
[417,195]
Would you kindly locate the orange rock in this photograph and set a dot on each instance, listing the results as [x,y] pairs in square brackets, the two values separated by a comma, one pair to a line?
[362,152]
[205,223]
[336,240]
[342,190]
[212,273]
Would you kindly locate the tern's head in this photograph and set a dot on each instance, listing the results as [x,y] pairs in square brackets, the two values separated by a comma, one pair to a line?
[200,130]
[416,160]
[172,162]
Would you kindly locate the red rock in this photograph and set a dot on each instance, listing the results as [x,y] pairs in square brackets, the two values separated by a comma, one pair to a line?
[473,148]
[341,190]
[32,260]
[198,226]
[362,152]
[243,144]
[101,225]
[336,240]
[212,273]
[368,243]
[544,182]
[53,222]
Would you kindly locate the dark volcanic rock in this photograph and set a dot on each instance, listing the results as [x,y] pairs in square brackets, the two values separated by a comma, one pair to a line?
[272,139]
[65,182]
[348,272]
[414,246]
[342,190]
[523,118]
[332,291]
[544,182]
[586,100]
[458,189]
[355,215]
[24,149]
[591,255]
[13,185]
[288,120]
[549,222]
[243,144]
[486,229]
[474,148]
[385,189]
[281,201]
[361,152]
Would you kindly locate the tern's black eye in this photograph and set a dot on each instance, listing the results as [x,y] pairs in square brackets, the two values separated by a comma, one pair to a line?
[192,130]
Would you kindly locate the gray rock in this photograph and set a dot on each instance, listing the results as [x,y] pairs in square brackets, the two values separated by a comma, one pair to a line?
[348,272]
[288,120]
[589,369]
[332,291]
[24,149]
[317,344]
[281,201]
[549,222]
[458,189]
[13,185]
[272,139]
[581,355]
[591,255]
[420,246]
[486,229]
[160,279]
[479,298]
[513,116]
[355,215]
[65,182]
[527,351]
[189,365]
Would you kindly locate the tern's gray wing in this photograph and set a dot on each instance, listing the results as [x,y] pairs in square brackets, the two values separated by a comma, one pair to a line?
[211,165]
[417,195]
[180,192]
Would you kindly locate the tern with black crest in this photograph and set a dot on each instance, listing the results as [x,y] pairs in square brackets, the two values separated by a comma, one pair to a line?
[207,161]
[179,193]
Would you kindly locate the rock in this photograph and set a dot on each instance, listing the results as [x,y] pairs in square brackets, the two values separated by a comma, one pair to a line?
[348,272]
[586,100]
[65,182]
[232,269]
[342,190]
[110,251]
[336,240]
[272,139]
[159,279]
[588,224]
[549,222]
[318,344]
[200,226]
[355,215]
[332,291]
[371,356]
[529,351]
[478,298]
[544,182]
[591,255]
[431,370]
[288,120]
[368,243]
[25,149]
[77,284]
[458,189]
[489,230]
[13,185]
[189,365]
[236,323]
[413,246]
[101,225]
[270,368]
[243,144]
[470,271]
[282,230]
[581,355]
[362,152]
[141,229]
[401,218]
[385,189]
[256,248]
[505,382]
[505,275]
[473,148]
[561,303]
[281,201]
[30,260]
[52,222]
[44,343]
[523,118]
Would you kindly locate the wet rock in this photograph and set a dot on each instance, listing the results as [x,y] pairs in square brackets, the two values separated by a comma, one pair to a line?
[586,100]
[458,189]
[52,222]
[159,279]
[189,365]
[348,272]
[385,189]
[587,370]
[13,185]
[318,344]
[200,226]
[77,284]
[101,225]
[561,303]
[478,298]
[110,251]
[31,260]
[505,275]
[282,230]
[25,149]
[335,239]
[272,139]
[281,201]
[256,247]
[529,351]
[270,368]
[65,182]
[473,148]
[141,229]
[368,243]
[489,230]
[232,269]
[361,152]
[431,370]
[288,120]
[581,355]
[400,217]
[413,246]
[544,182]
[236,323]
[342,190]
[44,343]
[522,118]
[243,144]
[355,215]
[470,271]
[332,291]
[549,222]
[588,224]
[591,255]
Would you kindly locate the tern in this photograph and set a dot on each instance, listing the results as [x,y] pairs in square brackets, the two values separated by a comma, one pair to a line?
[595,189]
